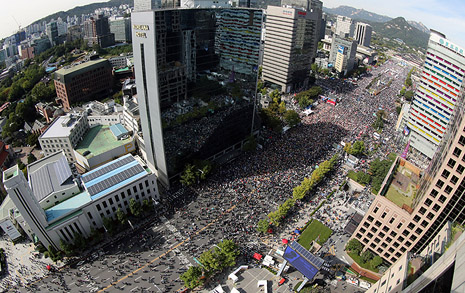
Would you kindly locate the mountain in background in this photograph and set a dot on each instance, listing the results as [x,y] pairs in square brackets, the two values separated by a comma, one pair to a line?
[419,25]
[86,9]
[355,13]
[401,29]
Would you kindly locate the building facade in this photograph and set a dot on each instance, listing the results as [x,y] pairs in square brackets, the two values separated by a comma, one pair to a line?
[83,82]
[345,27]
[121,28]
[186,62]
[104,191]
[97,31]
[363,34]
[64,133]
[436,94]
[390,230]
[342,54]
[290,47]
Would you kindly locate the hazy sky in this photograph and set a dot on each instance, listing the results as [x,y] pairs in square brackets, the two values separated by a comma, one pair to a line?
[446,16]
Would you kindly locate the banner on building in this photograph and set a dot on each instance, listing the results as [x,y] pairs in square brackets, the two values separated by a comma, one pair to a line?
[10,229]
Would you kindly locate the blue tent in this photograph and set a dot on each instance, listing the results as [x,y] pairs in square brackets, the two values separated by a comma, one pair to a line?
[297,231]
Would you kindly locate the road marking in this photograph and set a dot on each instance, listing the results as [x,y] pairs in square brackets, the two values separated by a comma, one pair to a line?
[168,251]
[134,288]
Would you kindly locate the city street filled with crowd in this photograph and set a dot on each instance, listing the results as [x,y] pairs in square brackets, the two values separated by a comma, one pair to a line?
[229,204]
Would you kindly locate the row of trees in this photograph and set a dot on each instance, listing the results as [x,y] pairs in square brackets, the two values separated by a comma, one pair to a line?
[213,261]
[194,173]
[112,226]
[308,97]
[299,192]
[378,171]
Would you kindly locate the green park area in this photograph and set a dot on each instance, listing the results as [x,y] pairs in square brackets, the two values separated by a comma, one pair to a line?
[314,231]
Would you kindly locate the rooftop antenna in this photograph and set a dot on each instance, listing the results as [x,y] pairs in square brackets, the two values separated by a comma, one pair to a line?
[19,26]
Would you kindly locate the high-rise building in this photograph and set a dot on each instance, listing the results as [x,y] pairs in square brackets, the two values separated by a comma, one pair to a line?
[345,27]
[121,27]
[97,31]
[144,5]
[390,228]
[342,54]
[291,41]
[205,4]
[196,72]
[436,93]
[52,32]
[363,34]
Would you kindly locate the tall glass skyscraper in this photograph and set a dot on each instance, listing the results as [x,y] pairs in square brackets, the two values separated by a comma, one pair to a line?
[436,93]
[196,73]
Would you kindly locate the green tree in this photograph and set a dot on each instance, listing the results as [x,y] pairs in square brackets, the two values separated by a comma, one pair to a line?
[188,176]
[31,158]
[66,247]
[250,145]
[228,252]
[42,92]
[409,95]
[79,241]
[135,207]
[15,93]
[376,261]
[263,226]
[363,177]
[210,261]
[121,216]
[292,118]
[366,256]
[354,246]
[357,148]
[192,277]
[347,147]
[109,225]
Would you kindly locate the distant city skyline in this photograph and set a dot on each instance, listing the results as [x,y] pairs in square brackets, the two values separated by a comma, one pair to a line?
[446,17]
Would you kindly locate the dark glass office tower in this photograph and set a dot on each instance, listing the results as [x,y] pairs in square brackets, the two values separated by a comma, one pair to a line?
[196,73]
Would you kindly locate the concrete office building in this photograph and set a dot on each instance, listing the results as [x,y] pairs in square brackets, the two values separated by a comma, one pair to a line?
[345,27]
[97,31]
[290,47]
[436,94]
[398,276]
[83,82]
[342,54]
[49,182]
[205,3]
[104,191]
[182,58]
[101,144]
[64,133]
[363,34]
[52,33]
[144,5]
[314,6]
[390,229]
[121,28]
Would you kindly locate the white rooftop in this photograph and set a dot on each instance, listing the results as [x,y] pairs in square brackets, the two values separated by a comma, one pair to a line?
[62,126]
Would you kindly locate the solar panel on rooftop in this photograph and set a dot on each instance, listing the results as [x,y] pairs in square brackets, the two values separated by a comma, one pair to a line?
[117,178]
[111,166]
[314,260]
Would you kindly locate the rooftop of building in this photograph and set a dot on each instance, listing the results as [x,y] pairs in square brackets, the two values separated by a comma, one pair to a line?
[5,208]
[403,187]
[49,174]
[66,74]
[70,205]
[62,126]
[113,175]
[100,139]
[99,182]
